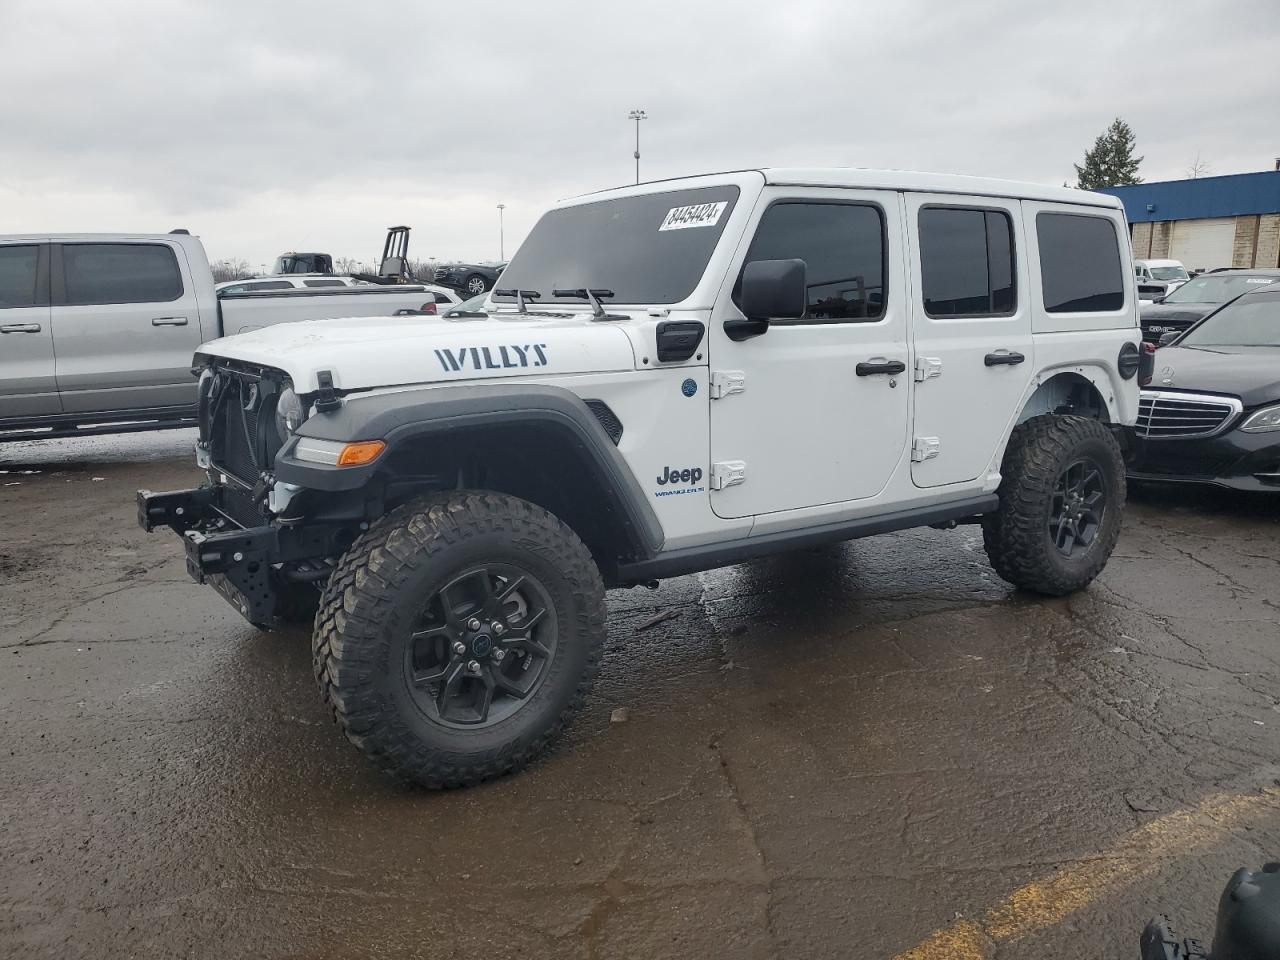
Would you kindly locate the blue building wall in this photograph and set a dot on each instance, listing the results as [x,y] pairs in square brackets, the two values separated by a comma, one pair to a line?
[1231,196]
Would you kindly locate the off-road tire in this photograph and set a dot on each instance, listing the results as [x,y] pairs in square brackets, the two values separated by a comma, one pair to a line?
[378,587]
[1016,536]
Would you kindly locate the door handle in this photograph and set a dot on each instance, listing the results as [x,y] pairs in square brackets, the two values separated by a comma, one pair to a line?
[20,328]
[1003,358]
[169,322]
[879,365]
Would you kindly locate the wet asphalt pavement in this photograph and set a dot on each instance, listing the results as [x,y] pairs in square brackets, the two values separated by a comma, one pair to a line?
[829,754]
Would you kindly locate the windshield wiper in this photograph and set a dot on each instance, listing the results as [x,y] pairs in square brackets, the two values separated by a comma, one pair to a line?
[594,295]
[521,296]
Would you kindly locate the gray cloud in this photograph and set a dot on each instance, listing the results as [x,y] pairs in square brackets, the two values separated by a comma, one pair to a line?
[271,126]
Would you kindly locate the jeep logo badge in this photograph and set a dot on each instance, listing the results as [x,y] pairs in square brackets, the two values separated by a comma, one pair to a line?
[676,475]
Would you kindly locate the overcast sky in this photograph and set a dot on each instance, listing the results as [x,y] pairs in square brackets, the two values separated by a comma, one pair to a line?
[270,126]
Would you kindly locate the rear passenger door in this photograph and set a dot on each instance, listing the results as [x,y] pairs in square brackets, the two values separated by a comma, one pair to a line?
[972,332]
[125,326]
[27,384]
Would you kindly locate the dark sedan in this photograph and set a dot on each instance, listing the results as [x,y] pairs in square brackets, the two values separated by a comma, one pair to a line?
[1197,297]
[1212,411]
[472,278]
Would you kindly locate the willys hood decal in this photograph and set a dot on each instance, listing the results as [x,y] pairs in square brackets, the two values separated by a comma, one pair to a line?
[371,352]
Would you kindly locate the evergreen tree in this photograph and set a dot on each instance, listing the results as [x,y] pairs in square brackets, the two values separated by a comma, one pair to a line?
[1111,162]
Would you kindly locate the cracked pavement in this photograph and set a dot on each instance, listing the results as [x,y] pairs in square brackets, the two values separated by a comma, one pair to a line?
[830,753]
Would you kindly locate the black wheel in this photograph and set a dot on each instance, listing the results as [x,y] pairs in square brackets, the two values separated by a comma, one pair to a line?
[1061,503]
[476,284]
[458,636]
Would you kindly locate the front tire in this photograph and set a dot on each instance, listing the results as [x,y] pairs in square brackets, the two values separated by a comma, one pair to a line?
[476,285]
[458,637]
[1061,503]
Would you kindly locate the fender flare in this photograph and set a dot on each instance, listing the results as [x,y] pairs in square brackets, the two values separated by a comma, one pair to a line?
[405,416]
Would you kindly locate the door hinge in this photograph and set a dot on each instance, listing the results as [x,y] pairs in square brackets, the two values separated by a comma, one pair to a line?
[725,382]
[927,368]
[728,473]
[924,448]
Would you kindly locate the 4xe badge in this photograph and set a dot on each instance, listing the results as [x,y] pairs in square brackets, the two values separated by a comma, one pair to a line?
[492,358]
[680,480]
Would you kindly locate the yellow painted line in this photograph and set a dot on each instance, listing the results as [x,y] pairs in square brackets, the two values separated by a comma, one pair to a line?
[1045,902]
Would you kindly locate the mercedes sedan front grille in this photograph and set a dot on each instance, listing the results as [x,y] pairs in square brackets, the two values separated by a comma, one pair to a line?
[1164,415]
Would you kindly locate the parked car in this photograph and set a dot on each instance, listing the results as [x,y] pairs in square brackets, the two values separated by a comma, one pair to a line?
[1198,297]
[472,278]
[97,331]
[787,358]
[1212,411]
[1159,278]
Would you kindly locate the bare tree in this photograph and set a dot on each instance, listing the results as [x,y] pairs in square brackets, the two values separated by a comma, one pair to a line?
[232,268]
[1198,168]
[347,266]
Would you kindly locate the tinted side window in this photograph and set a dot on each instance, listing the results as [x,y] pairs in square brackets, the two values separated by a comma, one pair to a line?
[966,262]
[270,285]
[120,273]
[1079,263]
[18,276]
[444,298]
[842,245]
[323,283]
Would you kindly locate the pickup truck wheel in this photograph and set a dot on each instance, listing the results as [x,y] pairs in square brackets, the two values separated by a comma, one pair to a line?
[476,284]
[1061,500]
[458,637]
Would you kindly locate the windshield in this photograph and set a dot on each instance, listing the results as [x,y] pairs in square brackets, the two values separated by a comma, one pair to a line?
[650,249]
[1168,273]
[1249,322]
[1216,289]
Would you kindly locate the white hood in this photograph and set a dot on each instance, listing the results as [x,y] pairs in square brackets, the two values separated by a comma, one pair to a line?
[370,352]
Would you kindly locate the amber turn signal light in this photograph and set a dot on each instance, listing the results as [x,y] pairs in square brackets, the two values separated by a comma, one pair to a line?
[358,454]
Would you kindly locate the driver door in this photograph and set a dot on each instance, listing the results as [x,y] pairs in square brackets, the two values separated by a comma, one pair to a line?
[810,412]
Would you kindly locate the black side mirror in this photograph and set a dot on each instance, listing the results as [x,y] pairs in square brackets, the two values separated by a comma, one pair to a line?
[1168,338]
[771,290]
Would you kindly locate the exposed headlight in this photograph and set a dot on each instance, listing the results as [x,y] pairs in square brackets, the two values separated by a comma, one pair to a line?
[1263,421]
[290,413]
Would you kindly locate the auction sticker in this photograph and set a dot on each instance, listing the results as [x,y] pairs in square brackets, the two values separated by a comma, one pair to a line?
[1247,280]
[697,215]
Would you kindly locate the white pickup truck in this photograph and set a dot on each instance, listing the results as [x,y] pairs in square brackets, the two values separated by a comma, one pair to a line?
[97,331]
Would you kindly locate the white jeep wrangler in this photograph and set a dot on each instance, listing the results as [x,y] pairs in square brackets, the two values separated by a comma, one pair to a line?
[672,377]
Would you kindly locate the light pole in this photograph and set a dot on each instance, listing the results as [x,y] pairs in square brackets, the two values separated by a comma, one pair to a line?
[502,254]
[637,116]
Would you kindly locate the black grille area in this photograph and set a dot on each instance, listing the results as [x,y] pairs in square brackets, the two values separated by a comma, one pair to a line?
[243,441]
[608,419]
[239,506]
[239,428]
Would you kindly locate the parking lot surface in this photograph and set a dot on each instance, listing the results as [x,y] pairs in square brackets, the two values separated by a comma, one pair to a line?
[866,751]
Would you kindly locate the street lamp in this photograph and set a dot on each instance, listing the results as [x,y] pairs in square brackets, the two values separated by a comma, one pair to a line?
[637,116]
[502,255]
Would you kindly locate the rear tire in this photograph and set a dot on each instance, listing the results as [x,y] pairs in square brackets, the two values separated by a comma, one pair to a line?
[406,649]
[1061,504]
[475,285]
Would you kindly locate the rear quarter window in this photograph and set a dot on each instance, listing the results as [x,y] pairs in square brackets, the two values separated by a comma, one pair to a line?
[1080,266]
[101,273]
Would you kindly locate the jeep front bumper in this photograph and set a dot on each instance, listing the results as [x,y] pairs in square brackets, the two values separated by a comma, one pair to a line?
[244,564]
